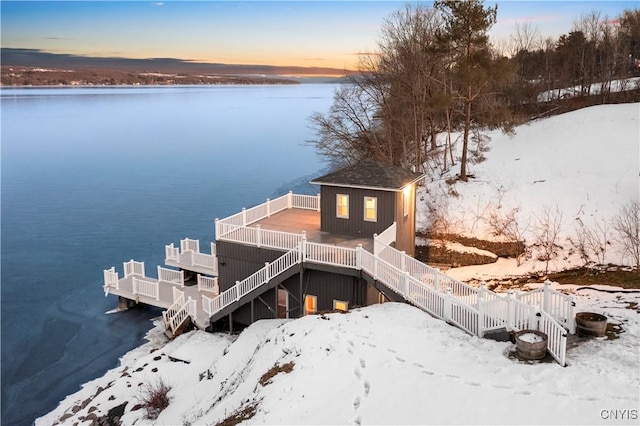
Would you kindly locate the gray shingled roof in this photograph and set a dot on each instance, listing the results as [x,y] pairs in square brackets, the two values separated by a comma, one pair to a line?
[370,174]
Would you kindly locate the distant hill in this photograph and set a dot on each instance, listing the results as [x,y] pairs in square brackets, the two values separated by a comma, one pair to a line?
[34,58]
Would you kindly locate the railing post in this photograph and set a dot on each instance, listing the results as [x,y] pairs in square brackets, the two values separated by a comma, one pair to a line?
[447,305]
[237,287]
[289,199]
[546,297]
[405,285]
[159,272]
[510,310]
[403,261]
[359,257]
[482,292]
[244,216]
[571,319]
[318,202]
[268,207]
[303,246]
[266,272]
[216,227]
[258,235]
[375,245]
[436,278]
[481,314]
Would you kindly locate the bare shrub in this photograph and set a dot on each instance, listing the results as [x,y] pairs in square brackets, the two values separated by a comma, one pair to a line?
[154,398]
[579,240]
[547,231]
[598,238]
[627,226]
[507,224]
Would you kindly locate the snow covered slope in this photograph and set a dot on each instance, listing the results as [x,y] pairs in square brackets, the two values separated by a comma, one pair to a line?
[586,162]
[384,364]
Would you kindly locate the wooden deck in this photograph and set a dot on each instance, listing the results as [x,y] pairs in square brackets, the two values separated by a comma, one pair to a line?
[296,221]
[165,295]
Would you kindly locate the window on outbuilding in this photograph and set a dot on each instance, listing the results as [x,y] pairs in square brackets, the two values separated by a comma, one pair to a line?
[370,209]
[310,304]
[342,206]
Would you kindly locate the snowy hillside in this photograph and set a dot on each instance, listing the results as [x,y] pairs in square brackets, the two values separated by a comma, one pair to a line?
[584,164]
[384,364]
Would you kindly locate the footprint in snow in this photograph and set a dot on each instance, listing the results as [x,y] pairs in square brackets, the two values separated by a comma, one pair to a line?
[357,421]
[417,364]
[430,373]
[362,363]
[473,383]
[350,350]
[400,359]
[367,387]
[356,402]
[357,373]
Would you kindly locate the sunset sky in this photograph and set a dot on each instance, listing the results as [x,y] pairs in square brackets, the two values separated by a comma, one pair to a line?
[300,33]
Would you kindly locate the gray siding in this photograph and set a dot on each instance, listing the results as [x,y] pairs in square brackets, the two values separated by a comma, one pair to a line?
[356,225]
[236,262]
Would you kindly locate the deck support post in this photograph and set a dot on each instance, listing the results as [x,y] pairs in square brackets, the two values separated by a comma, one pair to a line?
[230,322]
[252,313]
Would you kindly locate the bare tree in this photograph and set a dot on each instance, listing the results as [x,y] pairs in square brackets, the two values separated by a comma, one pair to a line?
[627,226]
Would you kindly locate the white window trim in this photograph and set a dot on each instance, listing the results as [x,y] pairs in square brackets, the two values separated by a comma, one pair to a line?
[375,209]
[338,215]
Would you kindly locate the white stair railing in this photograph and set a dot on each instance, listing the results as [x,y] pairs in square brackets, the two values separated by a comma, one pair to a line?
[252,282]
[171,312]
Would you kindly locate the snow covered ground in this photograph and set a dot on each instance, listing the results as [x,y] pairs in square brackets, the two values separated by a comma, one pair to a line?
[394,364]
[383,364]
[584,164]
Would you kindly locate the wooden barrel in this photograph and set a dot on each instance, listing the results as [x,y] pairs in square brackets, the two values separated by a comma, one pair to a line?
[591,324]
[531,344]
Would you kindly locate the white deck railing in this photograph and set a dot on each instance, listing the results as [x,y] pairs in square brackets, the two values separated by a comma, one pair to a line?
[189,256]
[142,287]
[475,310]
[133,268]
[170,276]
[556,337]
[208,284]
[252,282]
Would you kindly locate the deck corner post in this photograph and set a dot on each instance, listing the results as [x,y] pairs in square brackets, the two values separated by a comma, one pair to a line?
[359,257]
[216,227]
[268,207]
[318,203]
[510,311]
[290,199]
[436,278]
[571,318]
[258,236]
[244,216]
[447,305]
[546,296]
[237,286]
[303,247]
[481,314]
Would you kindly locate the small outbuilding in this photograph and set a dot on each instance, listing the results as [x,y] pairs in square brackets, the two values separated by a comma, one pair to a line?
[366,198]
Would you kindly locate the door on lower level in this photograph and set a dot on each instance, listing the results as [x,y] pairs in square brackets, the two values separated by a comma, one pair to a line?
[283,303]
